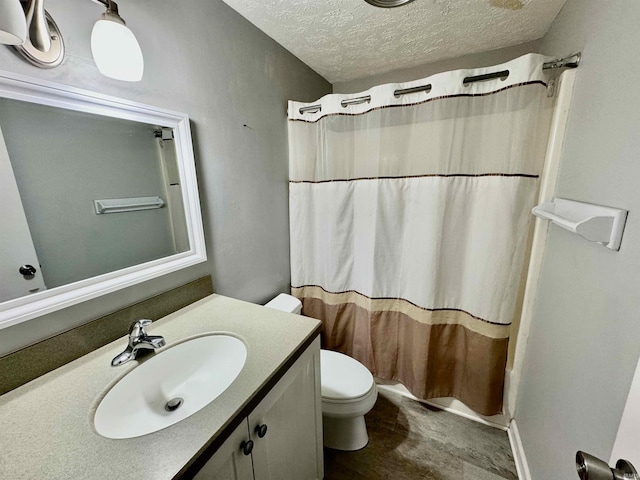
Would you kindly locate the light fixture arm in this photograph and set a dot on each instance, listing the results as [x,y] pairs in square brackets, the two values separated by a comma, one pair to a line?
[43,45]
[39,33]
[106,4]
[112,7]
[112,11]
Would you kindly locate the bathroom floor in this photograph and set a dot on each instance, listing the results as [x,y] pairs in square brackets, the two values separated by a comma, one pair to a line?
[409,440]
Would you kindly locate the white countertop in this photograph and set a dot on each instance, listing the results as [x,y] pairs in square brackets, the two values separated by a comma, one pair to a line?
[46,426]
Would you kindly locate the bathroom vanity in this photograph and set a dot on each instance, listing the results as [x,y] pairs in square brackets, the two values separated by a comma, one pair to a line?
[279,438]
[266,425]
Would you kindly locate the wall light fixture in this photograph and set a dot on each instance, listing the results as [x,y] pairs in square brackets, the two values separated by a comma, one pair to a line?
[34,34]
[115,48]
[13,25]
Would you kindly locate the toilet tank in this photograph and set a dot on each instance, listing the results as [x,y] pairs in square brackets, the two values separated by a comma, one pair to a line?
[285,303]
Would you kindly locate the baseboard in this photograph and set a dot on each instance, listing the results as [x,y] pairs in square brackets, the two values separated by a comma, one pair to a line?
[519,457]
[450,405]
[509,395]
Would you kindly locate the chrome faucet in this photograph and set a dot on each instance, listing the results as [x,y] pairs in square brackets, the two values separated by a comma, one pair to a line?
[138,340]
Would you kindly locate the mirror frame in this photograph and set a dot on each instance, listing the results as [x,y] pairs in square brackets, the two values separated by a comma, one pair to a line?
[33,90]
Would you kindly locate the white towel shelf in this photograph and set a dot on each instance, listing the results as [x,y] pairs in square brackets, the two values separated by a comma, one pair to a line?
[117,205]
[596,223]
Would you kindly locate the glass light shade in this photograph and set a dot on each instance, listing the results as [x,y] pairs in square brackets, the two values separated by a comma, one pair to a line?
[116,51]
[13,25]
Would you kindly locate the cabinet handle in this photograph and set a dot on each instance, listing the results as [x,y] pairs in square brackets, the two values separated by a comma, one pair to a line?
[261,430]
[247,447]
[27,270]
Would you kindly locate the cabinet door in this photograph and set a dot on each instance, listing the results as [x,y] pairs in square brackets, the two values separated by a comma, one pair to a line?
[229,463]
[291,447]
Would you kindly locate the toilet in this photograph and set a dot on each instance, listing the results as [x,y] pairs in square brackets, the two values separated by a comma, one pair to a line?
[348,391]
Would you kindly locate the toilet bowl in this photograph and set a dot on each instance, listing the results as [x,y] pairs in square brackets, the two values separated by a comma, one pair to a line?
[348,391]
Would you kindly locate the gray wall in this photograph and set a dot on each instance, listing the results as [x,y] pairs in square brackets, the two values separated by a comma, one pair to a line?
[63,161]
[585,336]
[204,59]
[475,60]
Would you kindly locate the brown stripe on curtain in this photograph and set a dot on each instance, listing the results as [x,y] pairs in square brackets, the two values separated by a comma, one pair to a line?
[431,359]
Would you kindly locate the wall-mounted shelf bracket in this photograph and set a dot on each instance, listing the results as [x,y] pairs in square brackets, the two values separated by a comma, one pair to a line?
[596,223]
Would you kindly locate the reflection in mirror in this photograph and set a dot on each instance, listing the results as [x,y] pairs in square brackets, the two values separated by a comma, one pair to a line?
[97,194]
[61,162]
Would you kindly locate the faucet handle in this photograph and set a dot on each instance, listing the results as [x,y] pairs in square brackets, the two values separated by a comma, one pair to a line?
[137,328]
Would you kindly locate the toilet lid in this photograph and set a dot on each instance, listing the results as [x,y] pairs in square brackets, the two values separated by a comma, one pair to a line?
[343,377]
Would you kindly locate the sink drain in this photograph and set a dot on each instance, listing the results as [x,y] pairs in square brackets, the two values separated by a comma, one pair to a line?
[174,404]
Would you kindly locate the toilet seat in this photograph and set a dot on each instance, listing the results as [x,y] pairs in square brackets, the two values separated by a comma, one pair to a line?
[348,388]
[344,379]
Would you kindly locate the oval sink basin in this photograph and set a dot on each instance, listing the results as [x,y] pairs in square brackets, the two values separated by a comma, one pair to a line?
[170,387]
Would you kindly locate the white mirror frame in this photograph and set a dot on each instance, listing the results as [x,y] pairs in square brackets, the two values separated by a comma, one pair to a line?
[19,87]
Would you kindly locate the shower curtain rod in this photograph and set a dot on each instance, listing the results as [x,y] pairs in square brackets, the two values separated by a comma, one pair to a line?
[568,62]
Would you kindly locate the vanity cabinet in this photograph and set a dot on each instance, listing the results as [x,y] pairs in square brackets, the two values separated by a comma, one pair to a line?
[281,439]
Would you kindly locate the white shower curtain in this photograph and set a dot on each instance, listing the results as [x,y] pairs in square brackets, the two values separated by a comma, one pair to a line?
[409,219]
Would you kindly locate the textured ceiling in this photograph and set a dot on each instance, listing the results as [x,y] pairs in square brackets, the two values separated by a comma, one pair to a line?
[347,39]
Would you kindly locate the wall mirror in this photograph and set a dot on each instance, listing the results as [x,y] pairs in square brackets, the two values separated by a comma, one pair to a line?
[96,194]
